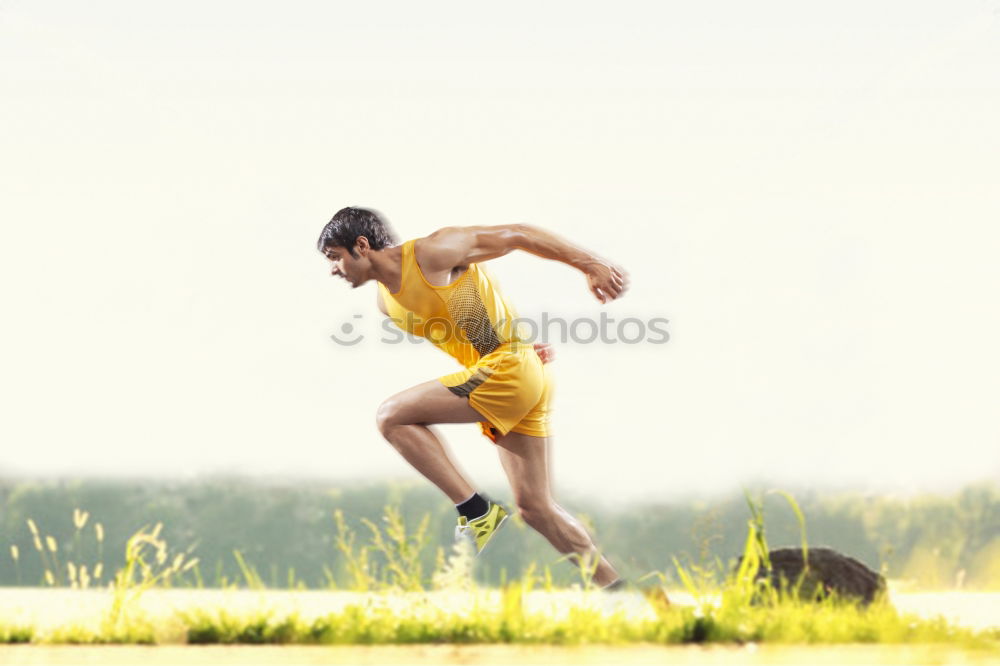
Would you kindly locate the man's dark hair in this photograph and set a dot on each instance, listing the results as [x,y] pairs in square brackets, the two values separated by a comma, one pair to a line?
[349,223]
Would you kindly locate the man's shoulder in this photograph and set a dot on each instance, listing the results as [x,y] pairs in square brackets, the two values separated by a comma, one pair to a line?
[442,249]
[442,238]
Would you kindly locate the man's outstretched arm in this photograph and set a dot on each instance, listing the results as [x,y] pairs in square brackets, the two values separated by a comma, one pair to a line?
[460,246]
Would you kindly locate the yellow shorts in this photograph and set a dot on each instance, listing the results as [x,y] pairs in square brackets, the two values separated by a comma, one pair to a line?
[511,387]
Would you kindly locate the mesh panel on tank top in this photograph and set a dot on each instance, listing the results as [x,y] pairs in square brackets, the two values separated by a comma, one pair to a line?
[467,310]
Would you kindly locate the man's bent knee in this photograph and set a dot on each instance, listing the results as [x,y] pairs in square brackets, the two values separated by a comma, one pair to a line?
[536,512]
[387,416]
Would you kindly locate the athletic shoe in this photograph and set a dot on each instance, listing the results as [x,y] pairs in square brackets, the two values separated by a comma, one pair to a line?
[480,530]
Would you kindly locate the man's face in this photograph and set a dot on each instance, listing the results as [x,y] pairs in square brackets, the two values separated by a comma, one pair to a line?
[346,266]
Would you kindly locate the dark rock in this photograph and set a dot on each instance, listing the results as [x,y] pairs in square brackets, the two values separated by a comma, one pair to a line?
[828,571]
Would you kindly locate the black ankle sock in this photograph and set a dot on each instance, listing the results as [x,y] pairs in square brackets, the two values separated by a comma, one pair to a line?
[474,507]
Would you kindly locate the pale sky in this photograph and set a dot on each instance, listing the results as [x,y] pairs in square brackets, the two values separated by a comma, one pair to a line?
[808,192]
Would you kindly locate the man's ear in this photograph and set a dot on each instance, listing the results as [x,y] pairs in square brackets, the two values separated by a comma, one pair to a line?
[362,246]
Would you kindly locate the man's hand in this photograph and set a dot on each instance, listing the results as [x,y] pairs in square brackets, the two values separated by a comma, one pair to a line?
[607,281]
[545,351]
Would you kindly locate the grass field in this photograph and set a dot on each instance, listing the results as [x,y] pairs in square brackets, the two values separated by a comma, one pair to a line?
[510,615]
[515,624]
[50,608]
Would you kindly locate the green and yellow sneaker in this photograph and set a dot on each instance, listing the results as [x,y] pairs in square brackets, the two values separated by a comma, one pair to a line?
[480,530]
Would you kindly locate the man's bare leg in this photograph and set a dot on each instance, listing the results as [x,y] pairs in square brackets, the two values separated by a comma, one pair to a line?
[525,460]
[402,420]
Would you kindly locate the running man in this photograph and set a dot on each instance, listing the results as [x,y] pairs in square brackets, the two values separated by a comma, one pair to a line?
[438,288]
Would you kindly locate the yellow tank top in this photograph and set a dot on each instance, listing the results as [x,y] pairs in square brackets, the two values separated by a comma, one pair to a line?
[467,319]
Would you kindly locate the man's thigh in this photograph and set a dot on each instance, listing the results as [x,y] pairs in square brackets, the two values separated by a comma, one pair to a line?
[428,402]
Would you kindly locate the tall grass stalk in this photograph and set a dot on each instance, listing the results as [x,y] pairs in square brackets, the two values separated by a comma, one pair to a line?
[400,550]
[356,563]
[146,566]
[250,573]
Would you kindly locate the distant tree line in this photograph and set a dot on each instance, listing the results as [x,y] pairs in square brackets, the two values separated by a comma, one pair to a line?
[286,530]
